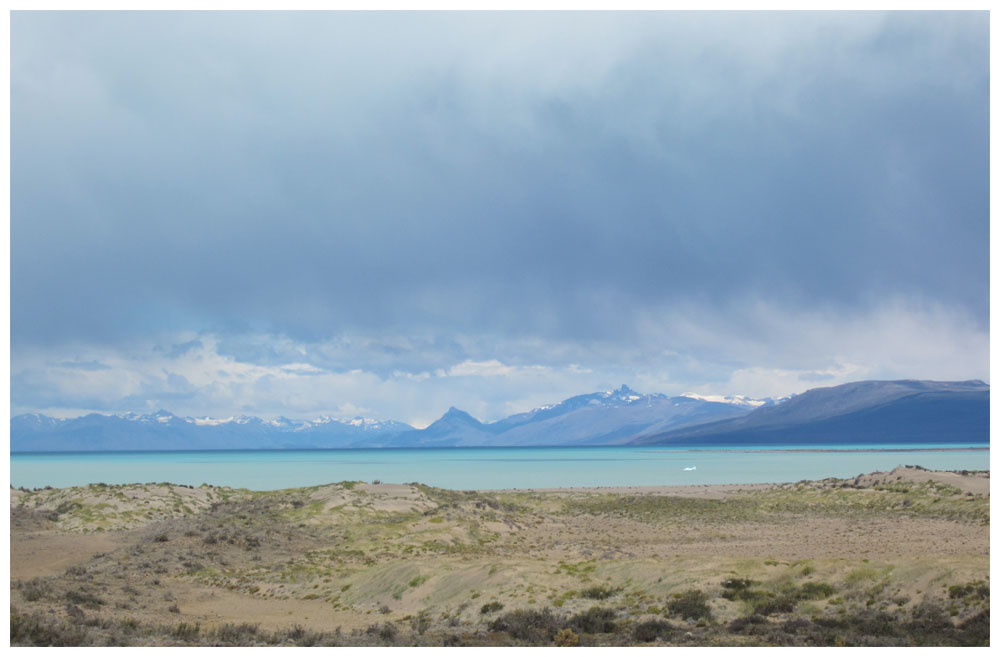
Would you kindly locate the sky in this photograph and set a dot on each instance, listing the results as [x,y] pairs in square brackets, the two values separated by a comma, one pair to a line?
[388,214]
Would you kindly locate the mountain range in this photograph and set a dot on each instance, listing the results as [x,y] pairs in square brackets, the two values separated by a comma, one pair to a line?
[866,412]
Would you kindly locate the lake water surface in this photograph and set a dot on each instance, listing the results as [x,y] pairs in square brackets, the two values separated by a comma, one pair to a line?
[485,468]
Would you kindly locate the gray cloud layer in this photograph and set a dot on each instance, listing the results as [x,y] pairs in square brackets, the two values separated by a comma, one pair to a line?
[510,179]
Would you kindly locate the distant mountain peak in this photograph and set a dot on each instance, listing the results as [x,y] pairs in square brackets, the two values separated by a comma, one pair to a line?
[459,414]
[624,393]
[162,416]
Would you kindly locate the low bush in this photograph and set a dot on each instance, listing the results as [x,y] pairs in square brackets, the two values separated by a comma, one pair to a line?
[528,624]
[651,630]
[243,634]
[690,604]
[566,638]
[815,591]
[186,631]
[34,630]
[748,624]
[737,584]
[779,604]
[930,624]
[490,607]
[36,589]
[420,623]
[976,630]
[303,637]
[596,620]
[85,598]
[384,631]
[599,593]
[975,590]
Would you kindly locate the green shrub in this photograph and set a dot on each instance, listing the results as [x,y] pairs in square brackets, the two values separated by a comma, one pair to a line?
[566,638]
[651,630]
[384,631]
[528,624]
[35,630]
[65,507]
[690,604]
[748,624]
[85,598]
[780,604]
[420,623]
[976,590]
[815,591]
[36,589]
[186,631]
[490,607]
[303,637]
[599,593]
[737,584]
[236,635]
[930,624]
[976,630]
[596,620]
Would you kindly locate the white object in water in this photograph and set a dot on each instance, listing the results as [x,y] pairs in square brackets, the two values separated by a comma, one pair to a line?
[693,467]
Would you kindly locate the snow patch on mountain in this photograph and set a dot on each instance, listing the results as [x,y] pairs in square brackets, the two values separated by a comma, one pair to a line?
[210,422]
[735,400]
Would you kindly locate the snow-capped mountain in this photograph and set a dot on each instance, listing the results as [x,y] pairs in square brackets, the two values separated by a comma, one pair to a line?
[867,411]
[597,418]
[600,418]
[163,430]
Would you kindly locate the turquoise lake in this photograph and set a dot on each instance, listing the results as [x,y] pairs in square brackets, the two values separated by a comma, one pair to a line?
[485,468]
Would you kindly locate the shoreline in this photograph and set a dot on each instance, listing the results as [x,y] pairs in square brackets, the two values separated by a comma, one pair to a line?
[976,481]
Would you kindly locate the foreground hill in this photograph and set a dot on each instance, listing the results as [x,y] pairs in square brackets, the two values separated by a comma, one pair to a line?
[891,558]
[866,412]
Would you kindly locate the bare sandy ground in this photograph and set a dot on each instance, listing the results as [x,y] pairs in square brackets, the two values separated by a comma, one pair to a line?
[42,553]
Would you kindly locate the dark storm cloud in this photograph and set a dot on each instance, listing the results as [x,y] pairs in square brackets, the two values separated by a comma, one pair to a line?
[535,175]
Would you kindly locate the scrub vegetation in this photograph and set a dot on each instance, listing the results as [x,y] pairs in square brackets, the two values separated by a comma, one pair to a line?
[897,558]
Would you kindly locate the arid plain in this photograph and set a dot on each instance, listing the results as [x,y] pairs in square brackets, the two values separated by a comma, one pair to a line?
[896,558]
